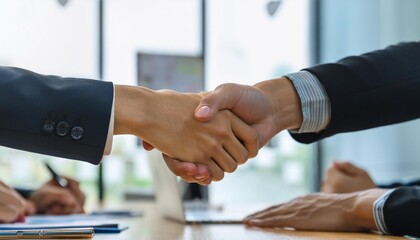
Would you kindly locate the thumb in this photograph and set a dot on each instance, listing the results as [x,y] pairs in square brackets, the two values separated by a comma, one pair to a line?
[208,107]
[224,96]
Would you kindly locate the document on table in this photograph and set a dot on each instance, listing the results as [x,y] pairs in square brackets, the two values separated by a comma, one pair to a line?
[101,224]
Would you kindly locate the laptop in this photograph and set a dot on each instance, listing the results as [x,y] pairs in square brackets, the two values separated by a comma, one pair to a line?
[168,194]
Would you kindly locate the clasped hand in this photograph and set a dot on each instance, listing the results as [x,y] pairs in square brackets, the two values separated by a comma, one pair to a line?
[217,146]
[221,129]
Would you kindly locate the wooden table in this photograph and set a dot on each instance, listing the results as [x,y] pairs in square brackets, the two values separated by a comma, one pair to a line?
[151,226]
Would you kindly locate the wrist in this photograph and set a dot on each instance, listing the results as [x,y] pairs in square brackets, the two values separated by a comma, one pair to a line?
[363,215]
[131,109]
[285,103]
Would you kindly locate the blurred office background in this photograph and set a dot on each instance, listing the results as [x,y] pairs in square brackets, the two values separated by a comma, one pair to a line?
[245,41]
[353,27]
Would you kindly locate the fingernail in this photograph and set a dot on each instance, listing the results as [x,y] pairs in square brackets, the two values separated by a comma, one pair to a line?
[252,221]
[203,111]
[200,177]
[248,222]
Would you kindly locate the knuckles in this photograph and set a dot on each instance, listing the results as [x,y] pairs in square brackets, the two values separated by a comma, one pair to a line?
[231,168]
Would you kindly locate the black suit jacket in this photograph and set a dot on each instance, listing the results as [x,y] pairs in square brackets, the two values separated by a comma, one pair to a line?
[371,90]
[64,117]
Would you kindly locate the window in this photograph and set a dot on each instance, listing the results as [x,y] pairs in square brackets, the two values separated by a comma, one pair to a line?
[49,38]
[247,44]
[354,27]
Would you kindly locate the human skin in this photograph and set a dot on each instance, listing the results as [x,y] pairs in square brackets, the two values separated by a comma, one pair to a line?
[53,199]
[268,107]
[345,204]
[344,177]
[12,205]
[347,212]
[165,120]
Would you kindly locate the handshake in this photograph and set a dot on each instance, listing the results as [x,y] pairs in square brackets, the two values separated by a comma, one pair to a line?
[204,135]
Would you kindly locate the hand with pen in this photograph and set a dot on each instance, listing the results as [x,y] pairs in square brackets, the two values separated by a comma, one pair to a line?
[60,195]
[51,198]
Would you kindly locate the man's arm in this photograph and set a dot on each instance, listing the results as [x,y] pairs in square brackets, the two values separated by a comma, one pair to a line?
[349,212]
[64,117]
[400,211]
[366,91]
[375,89]
[70,117]
[356,93]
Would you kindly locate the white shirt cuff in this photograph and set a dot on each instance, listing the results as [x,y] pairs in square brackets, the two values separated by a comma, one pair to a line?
[108,144]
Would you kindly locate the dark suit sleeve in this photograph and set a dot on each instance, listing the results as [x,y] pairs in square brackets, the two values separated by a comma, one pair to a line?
[400,184]
[402,210]
[375,89]
[64,117]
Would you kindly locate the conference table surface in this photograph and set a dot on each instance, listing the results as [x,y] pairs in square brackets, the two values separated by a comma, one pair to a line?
[152,226]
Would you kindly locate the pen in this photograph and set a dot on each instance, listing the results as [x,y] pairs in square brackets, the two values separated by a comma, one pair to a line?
[58,178]
[67,233]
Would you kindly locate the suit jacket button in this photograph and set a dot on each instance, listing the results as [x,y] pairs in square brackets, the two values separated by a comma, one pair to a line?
[76,133]
[48,127]
[63,128]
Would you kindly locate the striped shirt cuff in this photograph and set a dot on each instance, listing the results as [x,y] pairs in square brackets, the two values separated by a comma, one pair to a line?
[378,212]
[316,110]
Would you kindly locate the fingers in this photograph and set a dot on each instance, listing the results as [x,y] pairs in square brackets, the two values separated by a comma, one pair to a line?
[30,208]
[272,222]
[147,146]
[181,169]
[9,213]
[216,173]
[226,156]
[12,205]
[223,160]
[189,172]
[10,196]
[223,97]
[275,216]
[334,181]
[347,168]
[259,213]
[344,177]
[248,137]
[270,212]
[54,200]
[324,212]
[233,151]
[74,187]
